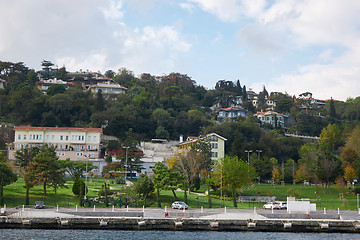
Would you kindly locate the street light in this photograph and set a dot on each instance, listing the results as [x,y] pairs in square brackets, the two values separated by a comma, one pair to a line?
[221,203]
[248,152]
[126,152]
[86,171]
[259,151]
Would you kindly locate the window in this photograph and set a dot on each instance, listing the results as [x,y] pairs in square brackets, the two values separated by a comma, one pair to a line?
[40,137]
[61,137]
[72,137]
[94,147]
[67,138]
[94,138]
[89,138]
[88,147]
[52,137]
[24,137]
[19,137]
[47,137]
[19,146]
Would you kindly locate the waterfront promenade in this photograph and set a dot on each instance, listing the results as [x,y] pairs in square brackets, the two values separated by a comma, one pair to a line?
[170,219]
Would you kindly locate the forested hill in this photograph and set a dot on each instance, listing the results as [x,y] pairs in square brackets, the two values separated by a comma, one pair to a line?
[152,107]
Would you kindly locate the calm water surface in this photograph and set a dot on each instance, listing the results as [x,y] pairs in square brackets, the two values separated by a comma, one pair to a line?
[118,234]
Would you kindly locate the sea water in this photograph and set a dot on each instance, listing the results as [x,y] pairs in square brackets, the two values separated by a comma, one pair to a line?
[9,234]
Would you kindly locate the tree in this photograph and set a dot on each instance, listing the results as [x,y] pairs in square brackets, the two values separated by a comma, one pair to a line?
[144,186]
[23,157]
[110,73]
[350,174]
[301,174]
[276,176]
[6,177]
[99,103]
[236,174]
[45,168]
[332,111]
[76,168]
[330,137]
[55,89]
[160,178]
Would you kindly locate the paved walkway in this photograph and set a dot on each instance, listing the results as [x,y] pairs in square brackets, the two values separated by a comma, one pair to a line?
[158,213]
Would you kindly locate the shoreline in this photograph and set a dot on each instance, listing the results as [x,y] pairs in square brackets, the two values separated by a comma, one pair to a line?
[189,220]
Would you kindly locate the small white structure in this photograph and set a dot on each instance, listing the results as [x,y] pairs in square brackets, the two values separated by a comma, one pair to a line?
[303,206]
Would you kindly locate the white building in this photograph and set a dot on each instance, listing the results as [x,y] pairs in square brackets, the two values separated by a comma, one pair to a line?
[158,150]
[44,85]
[271,117]
[107,88]
[77,144]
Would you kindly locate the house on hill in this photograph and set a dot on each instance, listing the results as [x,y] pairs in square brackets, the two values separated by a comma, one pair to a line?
[271,117]
[231,112]
[217,145]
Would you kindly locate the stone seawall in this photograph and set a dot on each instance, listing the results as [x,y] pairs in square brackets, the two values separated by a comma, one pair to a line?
[138,223]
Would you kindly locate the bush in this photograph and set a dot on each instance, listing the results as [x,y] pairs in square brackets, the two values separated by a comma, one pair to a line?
[79,188]
[357,190]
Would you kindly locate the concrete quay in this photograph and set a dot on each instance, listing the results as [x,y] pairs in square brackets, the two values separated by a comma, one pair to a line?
[192,219]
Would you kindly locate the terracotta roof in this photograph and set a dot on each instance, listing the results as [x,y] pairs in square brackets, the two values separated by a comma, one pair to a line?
[58,128]
[194,139]
[231,109]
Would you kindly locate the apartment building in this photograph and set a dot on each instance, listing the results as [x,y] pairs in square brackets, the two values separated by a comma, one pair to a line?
[77,144]
[217,145]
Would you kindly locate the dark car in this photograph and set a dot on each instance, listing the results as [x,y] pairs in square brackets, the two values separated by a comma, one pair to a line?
[39,205]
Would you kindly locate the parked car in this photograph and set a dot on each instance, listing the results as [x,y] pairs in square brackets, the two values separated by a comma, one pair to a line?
[271,205]
[179,205]
[39,205]
[282,205]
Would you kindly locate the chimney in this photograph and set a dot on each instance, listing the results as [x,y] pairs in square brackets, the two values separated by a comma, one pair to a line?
[181,138]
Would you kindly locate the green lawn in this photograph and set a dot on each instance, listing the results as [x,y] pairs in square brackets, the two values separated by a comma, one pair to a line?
[14,195]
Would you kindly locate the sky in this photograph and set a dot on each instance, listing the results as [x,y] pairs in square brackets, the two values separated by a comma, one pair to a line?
[291,46]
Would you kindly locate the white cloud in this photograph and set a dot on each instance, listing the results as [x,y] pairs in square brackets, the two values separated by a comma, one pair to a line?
[262,40]
[219,37]
[114,11]
[86,34]
[225,10]
[187,6]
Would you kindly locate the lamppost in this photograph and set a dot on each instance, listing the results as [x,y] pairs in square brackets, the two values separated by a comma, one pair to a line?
[259,151]
[86,171]
[221,202]
[248,152]
[126,152]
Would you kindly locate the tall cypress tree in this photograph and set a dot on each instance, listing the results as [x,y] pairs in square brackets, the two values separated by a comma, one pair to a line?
[238,88]
[332,109]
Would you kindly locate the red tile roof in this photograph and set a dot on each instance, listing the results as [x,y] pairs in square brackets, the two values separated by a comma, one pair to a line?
[58,128]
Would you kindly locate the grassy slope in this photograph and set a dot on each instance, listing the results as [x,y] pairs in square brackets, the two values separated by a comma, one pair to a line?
[15,196]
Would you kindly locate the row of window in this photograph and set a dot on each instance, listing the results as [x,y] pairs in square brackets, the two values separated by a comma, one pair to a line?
[213,138]
[214,145]
[79,154]
[214,154]
[64,147]
[62,138]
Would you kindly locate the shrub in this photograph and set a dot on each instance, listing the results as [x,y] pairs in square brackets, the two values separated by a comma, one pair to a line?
[79,188]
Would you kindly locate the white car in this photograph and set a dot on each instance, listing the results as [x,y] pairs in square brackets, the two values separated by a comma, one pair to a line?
[271,205]
[179,205]
[282,205]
